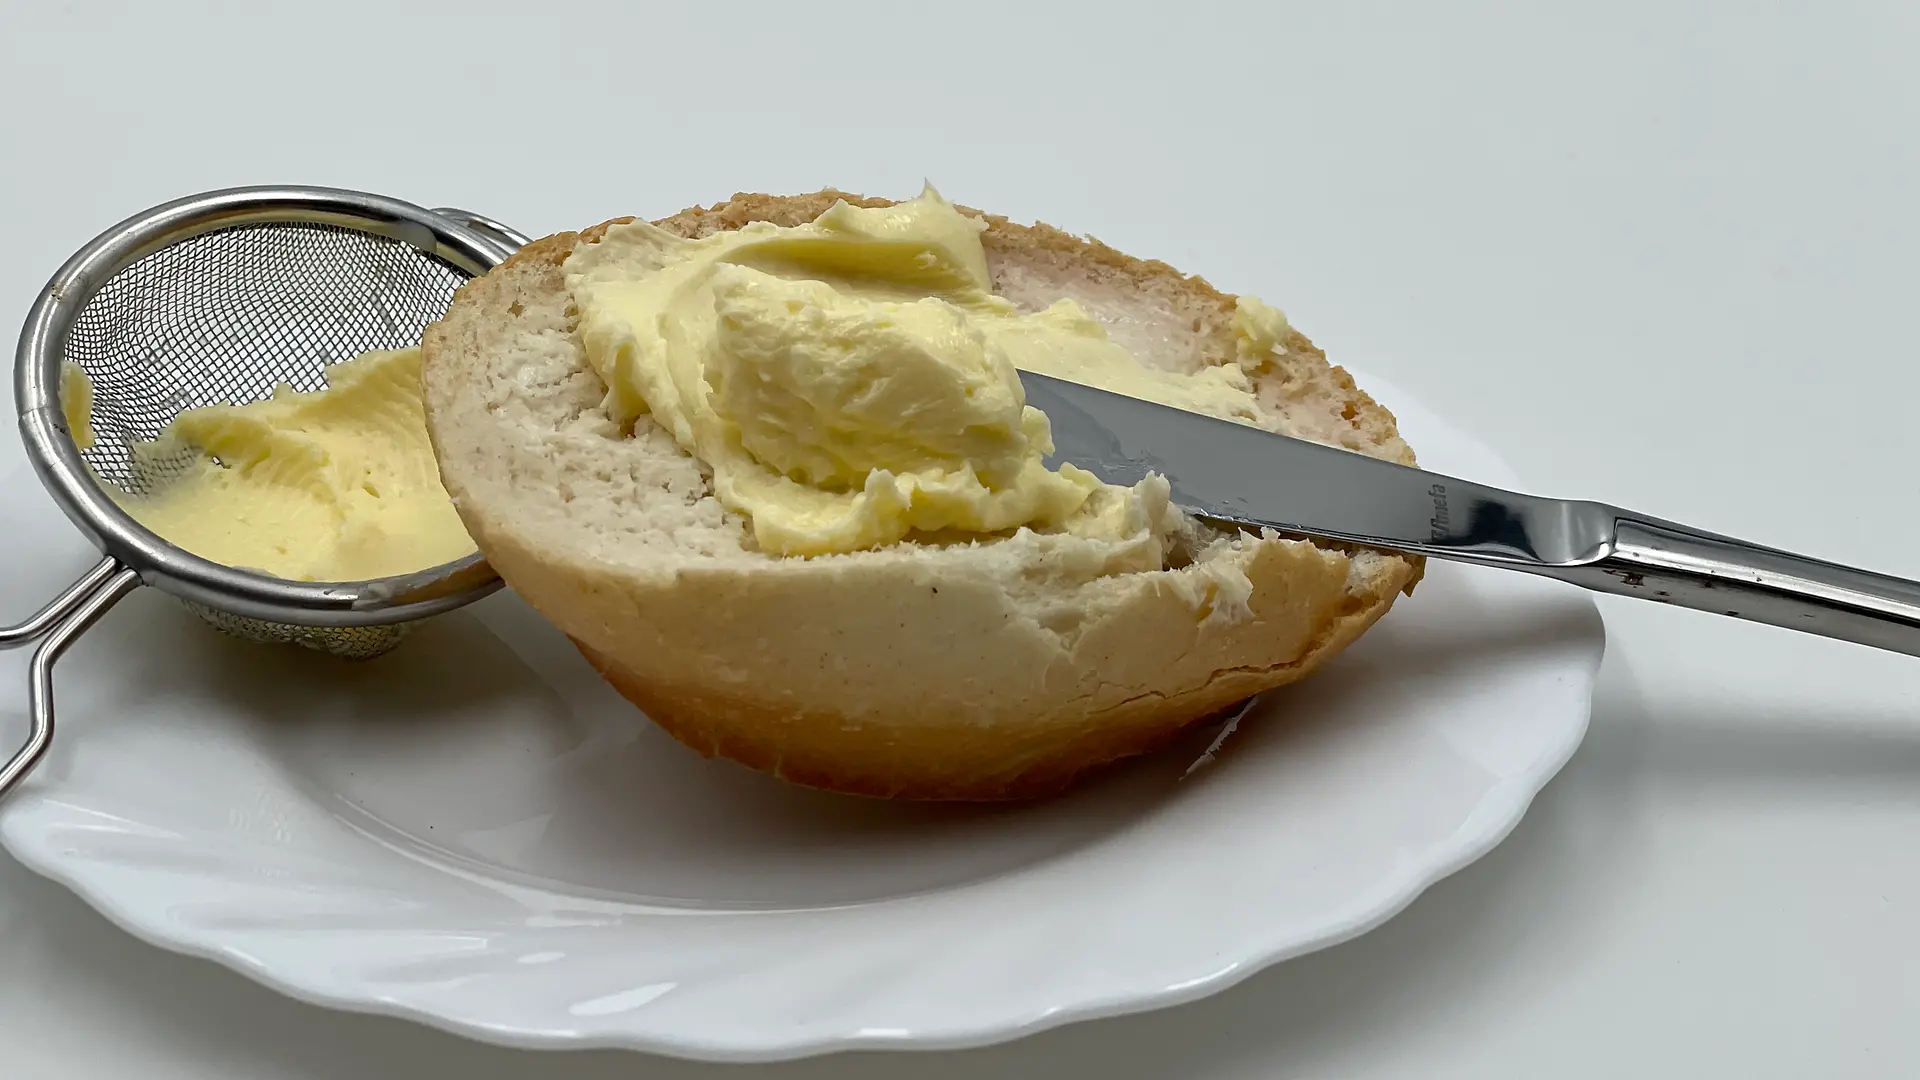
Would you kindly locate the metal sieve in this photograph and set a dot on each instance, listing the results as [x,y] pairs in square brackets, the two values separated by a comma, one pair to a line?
[216,298]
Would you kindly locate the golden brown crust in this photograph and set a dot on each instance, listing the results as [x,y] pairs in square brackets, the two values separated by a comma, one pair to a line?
[946,762]
[832,693]
[969,759]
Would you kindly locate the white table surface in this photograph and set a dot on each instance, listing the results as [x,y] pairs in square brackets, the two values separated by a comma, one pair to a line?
[1656,253]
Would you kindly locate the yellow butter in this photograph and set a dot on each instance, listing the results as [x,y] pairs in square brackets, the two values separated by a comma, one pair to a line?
[331,485]
[76,404]
[854,381]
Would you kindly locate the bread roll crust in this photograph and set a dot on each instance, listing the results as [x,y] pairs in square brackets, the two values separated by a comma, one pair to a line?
[1001,669]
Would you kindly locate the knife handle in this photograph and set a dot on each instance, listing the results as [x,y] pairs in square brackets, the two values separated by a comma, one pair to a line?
[1660,561]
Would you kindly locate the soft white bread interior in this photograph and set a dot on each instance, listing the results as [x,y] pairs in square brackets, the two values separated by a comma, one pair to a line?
[995,668]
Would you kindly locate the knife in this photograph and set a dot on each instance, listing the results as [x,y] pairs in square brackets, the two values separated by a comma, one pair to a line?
[1237,476]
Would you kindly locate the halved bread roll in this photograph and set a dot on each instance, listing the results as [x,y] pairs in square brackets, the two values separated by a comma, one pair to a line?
[994,668]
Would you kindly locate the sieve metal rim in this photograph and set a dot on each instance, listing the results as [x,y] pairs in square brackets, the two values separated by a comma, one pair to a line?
[133,556]
[55,459]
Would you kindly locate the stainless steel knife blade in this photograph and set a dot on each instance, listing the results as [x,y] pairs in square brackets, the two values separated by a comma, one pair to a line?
[1235,474]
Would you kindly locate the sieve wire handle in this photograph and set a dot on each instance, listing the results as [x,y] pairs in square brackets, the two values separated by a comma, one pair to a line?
[55,627]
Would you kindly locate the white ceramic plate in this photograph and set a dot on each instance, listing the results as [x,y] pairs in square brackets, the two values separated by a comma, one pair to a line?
[475,832]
